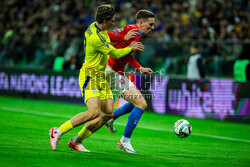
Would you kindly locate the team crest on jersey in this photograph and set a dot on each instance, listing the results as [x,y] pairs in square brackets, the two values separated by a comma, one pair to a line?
[120,30]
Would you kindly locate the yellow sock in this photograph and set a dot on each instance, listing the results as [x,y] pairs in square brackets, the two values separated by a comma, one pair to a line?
[67,126]
[84,133]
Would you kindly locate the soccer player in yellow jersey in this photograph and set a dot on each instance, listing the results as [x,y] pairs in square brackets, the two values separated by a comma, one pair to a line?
[94,87]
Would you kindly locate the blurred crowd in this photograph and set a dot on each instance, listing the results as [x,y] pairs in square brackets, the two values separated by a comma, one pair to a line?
[48,33]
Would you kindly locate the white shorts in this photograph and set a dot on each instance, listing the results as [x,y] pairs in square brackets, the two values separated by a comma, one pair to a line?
[118,83]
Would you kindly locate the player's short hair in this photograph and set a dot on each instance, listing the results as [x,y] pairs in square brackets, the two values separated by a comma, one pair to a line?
[104,12]
[144,14]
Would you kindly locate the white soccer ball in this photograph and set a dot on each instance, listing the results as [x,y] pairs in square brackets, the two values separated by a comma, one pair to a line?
[182,128]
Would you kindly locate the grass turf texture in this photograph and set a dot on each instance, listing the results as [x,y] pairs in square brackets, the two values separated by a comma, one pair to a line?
[24,125]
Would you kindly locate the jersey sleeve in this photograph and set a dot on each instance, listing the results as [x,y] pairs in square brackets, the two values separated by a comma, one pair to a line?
[118,53]
[132,61]
[118,35]
[101,45]
[115,37]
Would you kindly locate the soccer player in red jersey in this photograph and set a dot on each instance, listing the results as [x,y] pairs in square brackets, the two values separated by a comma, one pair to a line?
[120,84]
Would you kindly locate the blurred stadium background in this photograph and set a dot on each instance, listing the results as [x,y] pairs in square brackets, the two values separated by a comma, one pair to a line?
[34,33]
[41,52]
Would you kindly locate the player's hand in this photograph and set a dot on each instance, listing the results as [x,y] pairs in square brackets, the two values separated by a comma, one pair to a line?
[146,71]
[131,34]
[136,46]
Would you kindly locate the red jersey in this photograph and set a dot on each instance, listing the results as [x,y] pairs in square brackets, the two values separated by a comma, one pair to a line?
[117,38]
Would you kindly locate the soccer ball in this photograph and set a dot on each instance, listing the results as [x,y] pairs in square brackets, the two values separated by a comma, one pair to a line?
[182,128]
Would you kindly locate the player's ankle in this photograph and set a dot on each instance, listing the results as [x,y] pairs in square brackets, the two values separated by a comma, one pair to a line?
[77,139]
[111,120]
[125,139]
[58,132]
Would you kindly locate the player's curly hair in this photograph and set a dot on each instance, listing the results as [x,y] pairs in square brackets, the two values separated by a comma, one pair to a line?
[104,12]
[144,14]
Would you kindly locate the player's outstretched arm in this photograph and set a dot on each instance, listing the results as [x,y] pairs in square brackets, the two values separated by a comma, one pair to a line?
[147,71]
[132,61]
[134,46]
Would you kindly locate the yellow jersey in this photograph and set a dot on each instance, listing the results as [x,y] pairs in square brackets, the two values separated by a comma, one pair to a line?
[96,47]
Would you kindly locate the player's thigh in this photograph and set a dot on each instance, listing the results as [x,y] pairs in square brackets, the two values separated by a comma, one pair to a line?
[107,106]
[94,106]
[134,96]
[106,110]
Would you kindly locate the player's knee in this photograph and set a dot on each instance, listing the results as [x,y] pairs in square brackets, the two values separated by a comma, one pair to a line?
[107,116]
[110,114]
[95,114]
[142,104]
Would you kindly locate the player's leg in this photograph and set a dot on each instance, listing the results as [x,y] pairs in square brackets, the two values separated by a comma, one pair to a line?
[76,142]
[126,108]
[134,96]
[119,84]
[106,108]
[106,114]
[92,126]
[92,100]
[93,112]
[94,109]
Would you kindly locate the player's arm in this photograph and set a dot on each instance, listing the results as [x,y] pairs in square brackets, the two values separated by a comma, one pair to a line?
[116,36]
[134,46]
[132,61]
[118,53]
[104,47]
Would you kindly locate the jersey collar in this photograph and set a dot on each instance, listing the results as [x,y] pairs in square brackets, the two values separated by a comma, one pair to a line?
[97,27]
[138,32]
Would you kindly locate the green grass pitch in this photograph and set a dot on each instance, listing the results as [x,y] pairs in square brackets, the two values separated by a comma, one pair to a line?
[24,125]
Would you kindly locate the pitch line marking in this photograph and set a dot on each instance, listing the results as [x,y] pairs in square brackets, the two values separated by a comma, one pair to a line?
[120,124]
